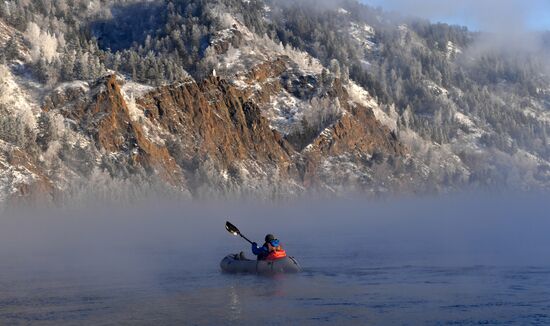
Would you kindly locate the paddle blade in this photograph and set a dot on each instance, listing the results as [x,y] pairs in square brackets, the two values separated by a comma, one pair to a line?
[232,228]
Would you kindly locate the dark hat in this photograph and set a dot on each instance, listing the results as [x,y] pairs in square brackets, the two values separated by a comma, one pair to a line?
[269,238]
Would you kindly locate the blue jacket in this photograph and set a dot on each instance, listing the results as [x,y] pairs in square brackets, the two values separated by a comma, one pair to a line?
[262,252]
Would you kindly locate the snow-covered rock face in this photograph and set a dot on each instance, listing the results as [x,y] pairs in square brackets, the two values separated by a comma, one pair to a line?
[285,109]
[361,96]
[436,89]
[269,120]
[129,126]
[364,34]
[286,112]
[16,101]
[231,61]
[452,50]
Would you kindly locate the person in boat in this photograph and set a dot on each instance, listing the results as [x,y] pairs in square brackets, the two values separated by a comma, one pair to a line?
[271,250]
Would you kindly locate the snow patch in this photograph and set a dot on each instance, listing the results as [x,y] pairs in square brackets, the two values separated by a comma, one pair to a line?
[343,11]
[130,91]
[452,49]
[224,174]
[361,96]
[364,34]
[463,120]
[327,133]
[285,112]
[135,89]
[77,84]
[436,89]
[16,100]
[135,113]
[255,49]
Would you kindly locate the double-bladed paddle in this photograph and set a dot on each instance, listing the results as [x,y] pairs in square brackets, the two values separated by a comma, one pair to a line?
[233,230]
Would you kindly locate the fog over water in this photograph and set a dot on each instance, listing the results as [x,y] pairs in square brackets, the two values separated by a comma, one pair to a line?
[462,260]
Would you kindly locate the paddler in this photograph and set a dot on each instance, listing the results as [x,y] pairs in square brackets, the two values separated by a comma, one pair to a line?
[271,249]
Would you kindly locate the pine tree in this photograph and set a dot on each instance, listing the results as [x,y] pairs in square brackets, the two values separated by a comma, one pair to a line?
[44,134]
[11,49]
[68,65]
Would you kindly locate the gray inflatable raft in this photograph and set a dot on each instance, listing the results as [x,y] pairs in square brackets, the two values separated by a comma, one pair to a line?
[234,264]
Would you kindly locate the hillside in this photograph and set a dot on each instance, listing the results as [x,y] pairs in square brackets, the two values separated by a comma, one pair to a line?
[194,98]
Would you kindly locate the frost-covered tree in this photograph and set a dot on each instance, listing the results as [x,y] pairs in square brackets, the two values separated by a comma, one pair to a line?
[43,45]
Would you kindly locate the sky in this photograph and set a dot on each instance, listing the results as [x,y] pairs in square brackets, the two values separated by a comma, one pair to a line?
[485,15]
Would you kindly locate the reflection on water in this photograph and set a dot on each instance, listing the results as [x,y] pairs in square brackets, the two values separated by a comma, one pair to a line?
[235,309]
[447,267]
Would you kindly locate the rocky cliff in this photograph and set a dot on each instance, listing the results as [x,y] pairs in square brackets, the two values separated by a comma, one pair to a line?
[202,98]
[208,137]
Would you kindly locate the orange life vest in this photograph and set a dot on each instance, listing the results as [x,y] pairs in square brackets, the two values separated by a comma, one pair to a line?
[278,253]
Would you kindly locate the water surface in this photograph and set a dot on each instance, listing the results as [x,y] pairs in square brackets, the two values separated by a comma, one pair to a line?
[461,261]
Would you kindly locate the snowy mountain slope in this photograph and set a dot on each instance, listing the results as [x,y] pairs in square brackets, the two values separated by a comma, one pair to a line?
[259,98]
[460,132]
[294,84]
[12,42]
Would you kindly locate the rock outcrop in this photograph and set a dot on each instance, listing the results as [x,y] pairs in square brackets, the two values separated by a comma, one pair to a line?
[214,136]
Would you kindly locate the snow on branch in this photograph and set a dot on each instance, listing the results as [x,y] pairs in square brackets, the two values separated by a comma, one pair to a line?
[43,44]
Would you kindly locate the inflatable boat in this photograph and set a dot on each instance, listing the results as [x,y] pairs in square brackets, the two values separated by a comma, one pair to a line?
[238,264]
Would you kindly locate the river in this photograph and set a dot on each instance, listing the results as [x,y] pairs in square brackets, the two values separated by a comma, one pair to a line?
[458,261]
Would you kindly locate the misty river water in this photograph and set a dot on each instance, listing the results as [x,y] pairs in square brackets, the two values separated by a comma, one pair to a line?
[397,262]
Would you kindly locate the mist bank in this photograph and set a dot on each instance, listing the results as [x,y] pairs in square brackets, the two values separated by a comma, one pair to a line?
[157,262]
[469,229]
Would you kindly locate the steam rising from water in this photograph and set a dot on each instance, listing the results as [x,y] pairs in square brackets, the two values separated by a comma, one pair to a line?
[509,229]
[167,254]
